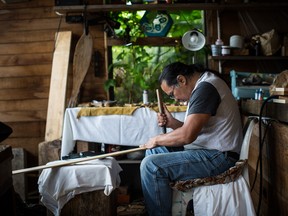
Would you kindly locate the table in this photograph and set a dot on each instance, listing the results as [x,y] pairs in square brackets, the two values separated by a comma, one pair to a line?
[118,129]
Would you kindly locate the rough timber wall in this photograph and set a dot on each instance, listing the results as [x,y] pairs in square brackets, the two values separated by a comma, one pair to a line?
[27,32]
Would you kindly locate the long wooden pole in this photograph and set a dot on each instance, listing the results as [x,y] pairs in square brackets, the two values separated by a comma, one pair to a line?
[160,107]
[74,161]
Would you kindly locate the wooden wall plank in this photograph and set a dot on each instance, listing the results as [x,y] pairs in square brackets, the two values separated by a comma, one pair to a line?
[28,143]
[57,94]
[23,116]
[41,24]
[25,59]
[26,47]
[23,94]
[24,105]
[27,129]
[27,13]
[28,4]
[24,82]
[25,70]
[27,36]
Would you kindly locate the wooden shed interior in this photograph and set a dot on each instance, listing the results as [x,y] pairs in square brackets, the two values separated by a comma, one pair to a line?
[28,86]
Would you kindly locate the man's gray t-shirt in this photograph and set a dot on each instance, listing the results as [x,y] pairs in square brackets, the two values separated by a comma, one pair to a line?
[223,131]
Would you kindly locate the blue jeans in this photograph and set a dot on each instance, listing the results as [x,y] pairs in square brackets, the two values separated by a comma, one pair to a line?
[161,166]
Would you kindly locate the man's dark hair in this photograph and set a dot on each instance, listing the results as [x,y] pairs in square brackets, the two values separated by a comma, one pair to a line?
[171,71]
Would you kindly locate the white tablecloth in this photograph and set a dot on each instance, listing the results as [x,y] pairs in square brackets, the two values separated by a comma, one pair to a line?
[58,185]
[128,130]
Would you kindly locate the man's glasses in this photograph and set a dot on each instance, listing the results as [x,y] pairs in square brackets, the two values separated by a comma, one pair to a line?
[171,95]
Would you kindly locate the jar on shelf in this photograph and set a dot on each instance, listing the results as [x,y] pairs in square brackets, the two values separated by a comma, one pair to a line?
[226,50]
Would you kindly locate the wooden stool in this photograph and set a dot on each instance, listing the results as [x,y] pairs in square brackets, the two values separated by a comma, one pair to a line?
[90,203]
[49,151]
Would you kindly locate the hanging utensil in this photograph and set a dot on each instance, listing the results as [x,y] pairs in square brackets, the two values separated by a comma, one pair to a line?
[81,62]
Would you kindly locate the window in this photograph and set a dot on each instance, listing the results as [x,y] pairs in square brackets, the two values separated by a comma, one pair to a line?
[137,65]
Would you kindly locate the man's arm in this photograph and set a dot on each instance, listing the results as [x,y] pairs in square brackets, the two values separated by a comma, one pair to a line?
[183,135]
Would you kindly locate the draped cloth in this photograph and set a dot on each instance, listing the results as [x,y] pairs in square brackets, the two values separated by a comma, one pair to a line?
[59,185]
[133,128]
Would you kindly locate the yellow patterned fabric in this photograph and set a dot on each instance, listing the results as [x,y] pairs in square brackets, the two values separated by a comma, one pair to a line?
[97,111]
[172,108]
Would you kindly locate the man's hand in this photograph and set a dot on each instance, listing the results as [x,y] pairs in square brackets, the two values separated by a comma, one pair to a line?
[150,144]
[164,119]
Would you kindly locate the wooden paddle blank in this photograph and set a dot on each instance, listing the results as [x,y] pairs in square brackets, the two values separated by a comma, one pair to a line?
[81,63]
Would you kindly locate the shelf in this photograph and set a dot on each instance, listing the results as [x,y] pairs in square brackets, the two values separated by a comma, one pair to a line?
[129,161]
[170,7]
[248,58]
[149,41]
[273,110]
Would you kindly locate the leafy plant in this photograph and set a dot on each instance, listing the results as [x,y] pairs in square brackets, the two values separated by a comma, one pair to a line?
[136,68]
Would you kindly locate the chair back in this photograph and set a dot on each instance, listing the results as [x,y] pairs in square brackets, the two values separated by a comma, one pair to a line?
[248,129]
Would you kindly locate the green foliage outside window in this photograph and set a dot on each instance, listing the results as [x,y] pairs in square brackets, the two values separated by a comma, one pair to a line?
[136,68]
